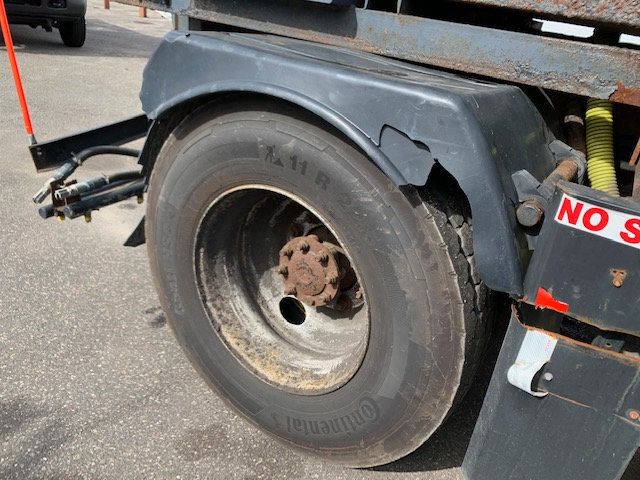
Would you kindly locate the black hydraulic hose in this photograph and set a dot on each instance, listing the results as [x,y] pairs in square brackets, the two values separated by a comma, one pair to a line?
[108,197]
[131,175]
[69,167]
[115,181]
[46,211]
[91,185]
[104,150]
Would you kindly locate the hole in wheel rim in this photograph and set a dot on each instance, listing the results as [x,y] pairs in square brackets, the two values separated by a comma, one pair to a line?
[292,310]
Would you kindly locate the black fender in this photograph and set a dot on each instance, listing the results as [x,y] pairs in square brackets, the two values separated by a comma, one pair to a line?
[405,117]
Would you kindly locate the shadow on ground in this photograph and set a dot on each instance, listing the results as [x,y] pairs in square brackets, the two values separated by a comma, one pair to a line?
[39,434]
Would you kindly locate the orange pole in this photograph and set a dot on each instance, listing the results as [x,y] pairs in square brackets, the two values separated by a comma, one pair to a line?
[6,34]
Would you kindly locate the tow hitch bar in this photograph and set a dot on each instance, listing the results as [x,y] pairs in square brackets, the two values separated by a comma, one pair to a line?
[74,199]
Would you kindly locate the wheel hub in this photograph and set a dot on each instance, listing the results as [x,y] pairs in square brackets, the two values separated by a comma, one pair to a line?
[310,270]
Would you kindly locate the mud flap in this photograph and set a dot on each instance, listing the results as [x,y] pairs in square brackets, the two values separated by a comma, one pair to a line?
[584,424]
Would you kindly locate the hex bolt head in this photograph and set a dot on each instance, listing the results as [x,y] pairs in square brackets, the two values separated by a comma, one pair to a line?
[548,376]
[304,246]
[283,270]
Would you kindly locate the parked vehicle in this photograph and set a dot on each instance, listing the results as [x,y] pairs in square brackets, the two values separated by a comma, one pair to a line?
[341,197]
[65,15]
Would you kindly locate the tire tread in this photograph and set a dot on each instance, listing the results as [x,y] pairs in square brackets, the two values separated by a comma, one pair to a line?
[449,207]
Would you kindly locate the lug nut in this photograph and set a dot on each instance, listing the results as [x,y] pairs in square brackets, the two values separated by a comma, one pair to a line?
[304,246]
[333,279]
[324,257]
[290,291]
[327,298]
[283,270]
[286,252]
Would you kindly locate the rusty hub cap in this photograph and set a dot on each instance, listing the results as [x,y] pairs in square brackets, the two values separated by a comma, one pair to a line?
[310,270]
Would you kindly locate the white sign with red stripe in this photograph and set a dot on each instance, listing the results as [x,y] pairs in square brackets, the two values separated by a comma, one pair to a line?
[604,222]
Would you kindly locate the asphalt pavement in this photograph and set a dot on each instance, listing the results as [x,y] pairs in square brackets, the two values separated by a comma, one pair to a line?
[92,383]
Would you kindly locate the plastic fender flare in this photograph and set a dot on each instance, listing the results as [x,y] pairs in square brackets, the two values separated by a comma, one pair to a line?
[494,264]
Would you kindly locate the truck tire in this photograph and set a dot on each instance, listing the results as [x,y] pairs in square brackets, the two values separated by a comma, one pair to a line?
[363,380]
[73,33]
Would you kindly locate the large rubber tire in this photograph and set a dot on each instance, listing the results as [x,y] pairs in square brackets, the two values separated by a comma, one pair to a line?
[426,324]
[73,33]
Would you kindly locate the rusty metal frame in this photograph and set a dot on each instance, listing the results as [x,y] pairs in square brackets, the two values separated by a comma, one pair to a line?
[622,15]
[571,66]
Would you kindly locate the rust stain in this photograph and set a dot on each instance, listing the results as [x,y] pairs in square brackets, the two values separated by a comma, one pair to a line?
[629,96]
[566,170]
[608,12]
[628,419]
[618,276]
[570,342]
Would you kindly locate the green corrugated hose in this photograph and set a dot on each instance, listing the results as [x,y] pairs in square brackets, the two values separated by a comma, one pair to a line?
[600,164]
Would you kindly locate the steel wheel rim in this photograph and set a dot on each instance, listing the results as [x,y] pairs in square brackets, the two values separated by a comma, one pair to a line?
[284,342]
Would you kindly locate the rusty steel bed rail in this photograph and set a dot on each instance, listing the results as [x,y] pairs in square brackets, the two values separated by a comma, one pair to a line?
[621,15]
[567,65]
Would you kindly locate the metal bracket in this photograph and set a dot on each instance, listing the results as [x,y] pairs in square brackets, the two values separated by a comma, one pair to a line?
[535,351]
